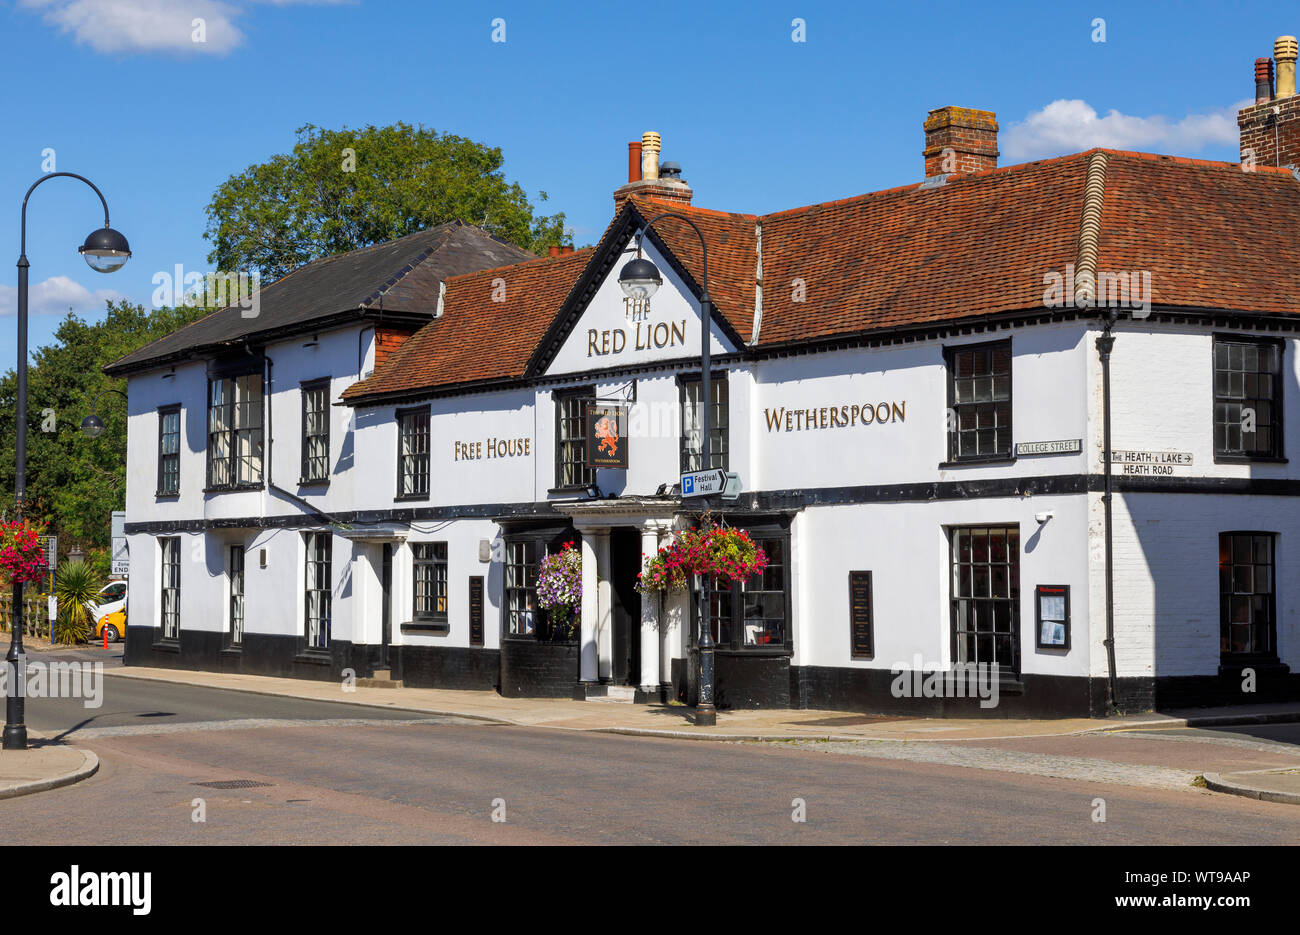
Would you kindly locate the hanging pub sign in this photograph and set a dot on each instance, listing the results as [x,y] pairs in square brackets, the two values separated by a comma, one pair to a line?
[1052,607]
[606,436]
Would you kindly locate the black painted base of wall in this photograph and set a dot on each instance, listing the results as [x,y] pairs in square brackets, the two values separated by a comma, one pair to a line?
[741,680]
[260,654]
[446,667]
[531,669]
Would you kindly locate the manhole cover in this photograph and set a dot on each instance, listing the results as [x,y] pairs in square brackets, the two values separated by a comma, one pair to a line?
[231,784]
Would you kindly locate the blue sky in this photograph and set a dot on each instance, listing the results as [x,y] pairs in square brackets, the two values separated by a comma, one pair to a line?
[759,122]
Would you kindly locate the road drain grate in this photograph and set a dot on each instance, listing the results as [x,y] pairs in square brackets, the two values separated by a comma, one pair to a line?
[231,784]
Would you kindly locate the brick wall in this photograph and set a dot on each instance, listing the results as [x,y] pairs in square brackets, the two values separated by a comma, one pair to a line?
[1274,138]
[972,135]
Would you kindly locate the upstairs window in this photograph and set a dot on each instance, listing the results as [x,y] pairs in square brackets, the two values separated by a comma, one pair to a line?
[571,469]
[315,432]
[1247,398]
[413,453]
[430,559]
[692,390]
[235,431]
[979,401]
[169,451]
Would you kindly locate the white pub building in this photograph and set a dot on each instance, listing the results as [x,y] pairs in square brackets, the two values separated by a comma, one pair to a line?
[1032,416]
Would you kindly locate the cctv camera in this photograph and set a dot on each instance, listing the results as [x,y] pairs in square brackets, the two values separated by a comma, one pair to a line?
[1043,517]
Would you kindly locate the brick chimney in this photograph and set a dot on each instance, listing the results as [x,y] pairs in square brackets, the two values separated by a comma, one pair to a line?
[959,139]
[644,178]
[1270,128]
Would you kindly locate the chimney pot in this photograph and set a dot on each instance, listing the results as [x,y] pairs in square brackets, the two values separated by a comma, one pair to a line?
[1284,52]
[634,161]
[1263,80]
[650,155]
[552,251]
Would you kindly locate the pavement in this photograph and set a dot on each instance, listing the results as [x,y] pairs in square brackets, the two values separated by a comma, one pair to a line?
[925,739]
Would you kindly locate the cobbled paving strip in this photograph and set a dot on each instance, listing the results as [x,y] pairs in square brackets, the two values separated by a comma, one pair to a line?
[1083,769]
[91,733]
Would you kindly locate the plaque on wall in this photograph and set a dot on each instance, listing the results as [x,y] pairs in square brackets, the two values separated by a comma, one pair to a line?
[606,436]
[1052,610]
[476,610]
[860,622]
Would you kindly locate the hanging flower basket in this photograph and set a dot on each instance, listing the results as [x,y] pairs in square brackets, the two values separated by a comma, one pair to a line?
[21,554]
[559,588]
[722,552]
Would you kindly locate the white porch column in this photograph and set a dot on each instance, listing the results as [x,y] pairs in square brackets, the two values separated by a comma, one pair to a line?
[650,626]
[604,606]
[590,615]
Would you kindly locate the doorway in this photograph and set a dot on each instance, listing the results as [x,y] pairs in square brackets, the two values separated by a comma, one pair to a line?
[625,562]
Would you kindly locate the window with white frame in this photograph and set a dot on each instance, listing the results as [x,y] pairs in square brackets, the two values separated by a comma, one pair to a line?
[236,576]
[169,598]
[320,546]
[430,567]
[235,431]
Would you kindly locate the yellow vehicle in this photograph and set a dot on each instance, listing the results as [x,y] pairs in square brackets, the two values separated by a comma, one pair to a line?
[114,624]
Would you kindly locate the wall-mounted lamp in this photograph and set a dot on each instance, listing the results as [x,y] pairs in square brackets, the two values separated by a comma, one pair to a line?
[1042,518]
[92,425]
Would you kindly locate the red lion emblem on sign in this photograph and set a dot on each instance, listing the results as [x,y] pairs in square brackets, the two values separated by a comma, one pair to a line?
[607,431]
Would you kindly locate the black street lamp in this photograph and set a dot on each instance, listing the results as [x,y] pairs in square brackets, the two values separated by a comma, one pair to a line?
[105,251]
[92,425]
[640,279]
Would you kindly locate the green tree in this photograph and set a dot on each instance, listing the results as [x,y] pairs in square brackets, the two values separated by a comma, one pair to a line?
[344,189]
[73,482]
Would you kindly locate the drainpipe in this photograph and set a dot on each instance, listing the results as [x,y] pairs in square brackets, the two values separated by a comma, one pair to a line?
[1105,343]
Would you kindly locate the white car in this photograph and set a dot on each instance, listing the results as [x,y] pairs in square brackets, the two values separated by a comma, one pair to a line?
[112,600]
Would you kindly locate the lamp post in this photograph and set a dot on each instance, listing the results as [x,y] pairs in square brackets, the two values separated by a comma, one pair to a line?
[105,251]
[640,279]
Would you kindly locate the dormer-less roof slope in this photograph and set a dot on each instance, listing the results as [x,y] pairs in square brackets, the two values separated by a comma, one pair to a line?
[1212,237]
[396,281]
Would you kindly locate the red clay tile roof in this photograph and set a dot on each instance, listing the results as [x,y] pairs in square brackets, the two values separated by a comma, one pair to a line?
[476,338]
[1211,235]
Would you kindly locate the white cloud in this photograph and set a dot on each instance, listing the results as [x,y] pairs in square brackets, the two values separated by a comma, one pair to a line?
[1071,126]
[54,296]
[168,26]
[116,26]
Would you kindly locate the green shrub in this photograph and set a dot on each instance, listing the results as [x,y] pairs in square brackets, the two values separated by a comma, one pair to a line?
[76,585]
